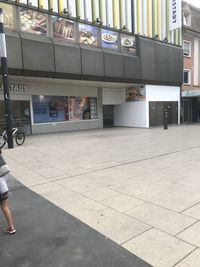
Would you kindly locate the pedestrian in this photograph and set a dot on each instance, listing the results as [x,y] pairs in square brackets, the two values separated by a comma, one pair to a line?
[4,170]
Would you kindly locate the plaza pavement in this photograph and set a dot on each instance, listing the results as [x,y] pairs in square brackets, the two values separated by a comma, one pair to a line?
[138,187]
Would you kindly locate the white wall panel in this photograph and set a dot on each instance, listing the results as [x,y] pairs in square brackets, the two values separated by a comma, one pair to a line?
[162,93]
[82,9]
[88,10]
[104,12]
[113,96]
[109,13]
[144,17]
[72,7]
[131,114]
[163,19]
[128,15]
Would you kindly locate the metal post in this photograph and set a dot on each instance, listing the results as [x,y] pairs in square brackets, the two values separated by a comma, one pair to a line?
[4,66]
[165,118]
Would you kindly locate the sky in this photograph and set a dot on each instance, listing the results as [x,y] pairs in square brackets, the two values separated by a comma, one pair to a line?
[194,2]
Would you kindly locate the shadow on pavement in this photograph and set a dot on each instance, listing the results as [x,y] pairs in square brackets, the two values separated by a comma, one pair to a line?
[48,236]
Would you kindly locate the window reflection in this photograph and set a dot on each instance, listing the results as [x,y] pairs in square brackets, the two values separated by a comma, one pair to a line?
[8,15]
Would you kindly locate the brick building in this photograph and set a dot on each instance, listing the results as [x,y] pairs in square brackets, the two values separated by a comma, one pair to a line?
[190,110]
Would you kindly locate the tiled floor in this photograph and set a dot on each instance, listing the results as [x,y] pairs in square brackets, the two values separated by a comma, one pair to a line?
[139,187]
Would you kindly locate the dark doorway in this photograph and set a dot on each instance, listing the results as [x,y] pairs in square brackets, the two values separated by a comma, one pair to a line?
[20,115]
[156,110]
[191,109]
[108,117]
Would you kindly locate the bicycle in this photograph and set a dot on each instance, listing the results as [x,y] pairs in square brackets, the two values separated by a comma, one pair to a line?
[16,133]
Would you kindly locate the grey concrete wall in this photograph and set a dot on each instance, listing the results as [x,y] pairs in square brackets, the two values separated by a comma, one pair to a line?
[155,62]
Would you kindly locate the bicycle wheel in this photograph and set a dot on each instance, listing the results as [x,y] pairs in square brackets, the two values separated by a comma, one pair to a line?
[2,141]
[19,138]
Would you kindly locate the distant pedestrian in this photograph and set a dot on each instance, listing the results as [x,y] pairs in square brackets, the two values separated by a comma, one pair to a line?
[4,196]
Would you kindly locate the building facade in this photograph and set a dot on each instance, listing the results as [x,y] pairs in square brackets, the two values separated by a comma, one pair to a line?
[73,65]
[190,112]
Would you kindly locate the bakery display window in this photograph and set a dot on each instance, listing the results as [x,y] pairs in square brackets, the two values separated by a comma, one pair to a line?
[128,44]
[88,35]
[33,21]
[8,15]
[109,39]
[63,28]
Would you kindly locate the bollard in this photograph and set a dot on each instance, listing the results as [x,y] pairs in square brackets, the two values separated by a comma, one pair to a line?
[165,118]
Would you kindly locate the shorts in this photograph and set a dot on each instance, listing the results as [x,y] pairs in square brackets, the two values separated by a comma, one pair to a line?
[3,189]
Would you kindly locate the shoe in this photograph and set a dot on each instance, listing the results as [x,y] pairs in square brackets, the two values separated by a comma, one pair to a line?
[10,231]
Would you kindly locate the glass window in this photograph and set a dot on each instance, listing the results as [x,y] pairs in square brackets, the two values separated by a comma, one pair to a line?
[63,28]
[128,44]
[109,39]
[25,2]
[187,19]
[46,5]
[54,6]
[82,108]
[33,3]
[50,108]
[63,108]
[187,48]
[8,15]
[33,21]
[186,77]
[88,34]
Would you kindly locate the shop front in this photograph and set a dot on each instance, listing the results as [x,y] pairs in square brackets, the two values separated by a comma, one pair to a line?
[20,108]
[190,106]
[41,107]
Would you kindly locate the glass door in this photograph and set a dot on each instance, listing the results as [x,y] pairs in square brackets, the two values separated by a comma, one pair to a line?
[20,116]
[187,110]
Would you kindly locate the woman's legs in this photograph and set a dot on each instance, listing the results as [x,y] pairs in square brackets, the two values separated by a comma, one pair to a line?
[7,213]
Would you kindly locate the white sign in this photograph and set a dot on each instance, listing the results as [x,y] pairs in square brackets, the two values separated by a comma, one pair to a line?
[15,87]
[174,14]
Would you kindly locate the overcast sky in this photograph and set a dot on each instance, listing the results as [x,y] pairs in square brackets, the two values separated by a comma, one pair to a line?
[194,2]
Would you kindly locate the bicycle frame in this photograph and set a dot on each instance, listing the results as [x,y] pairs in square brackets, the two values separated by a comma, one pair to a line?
[14,131]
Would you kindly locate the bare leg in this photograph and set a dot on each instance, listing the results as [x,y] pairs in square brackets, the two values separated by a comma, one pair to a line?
[7,213]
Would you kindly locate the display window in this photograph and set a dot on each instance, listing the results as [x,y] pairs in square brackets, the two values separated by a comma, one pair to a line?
[128,44]
[63,28]
[109,39]
[88,35]
[50,108]
[63,108]
[8,15]
[82,108]
[33,21]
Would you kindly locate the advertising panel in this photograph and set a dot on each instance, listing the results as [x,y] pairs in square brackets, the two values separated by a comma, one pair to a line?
[82,108]
[109,39]
[128,44]
[50,108]
[8,15]
[33,21]
[135,94]
[88,34]
[63,28]
[63,108]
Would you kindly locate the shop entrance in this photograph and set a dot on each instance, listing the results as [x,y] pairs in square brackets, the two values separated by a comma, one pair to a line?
[191,109]
[20,116]
[156,110]
[108,117]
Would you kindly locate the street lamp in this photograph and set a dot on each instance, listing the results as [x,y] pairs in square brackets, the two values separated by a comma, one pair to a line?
[4,66]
